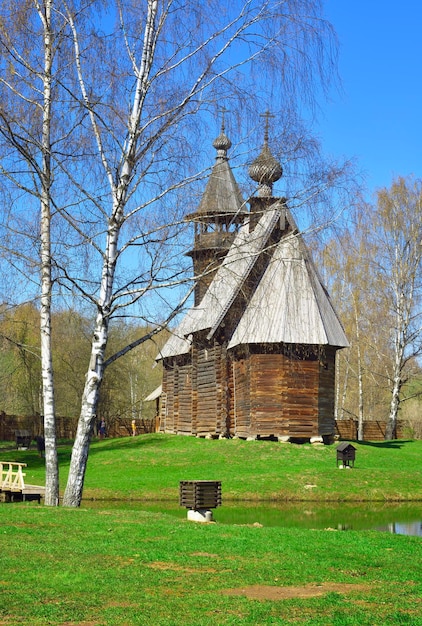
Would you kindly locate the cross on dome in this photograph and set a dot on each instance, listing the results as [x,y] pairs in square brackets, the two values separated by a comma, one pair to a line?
[265,169]
[222,143]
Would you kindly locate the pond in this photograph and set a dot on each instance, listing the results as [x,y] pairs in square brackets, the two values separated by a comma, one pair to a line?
[403,518]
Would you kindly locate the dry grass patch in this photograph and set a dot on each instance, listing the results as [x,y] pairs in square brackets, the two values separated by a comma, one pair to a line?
[174,567]
[269,592]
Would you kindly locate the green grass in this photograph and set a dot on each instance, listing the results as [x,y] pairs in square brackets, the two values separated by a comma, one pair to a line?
[151,466]
[119,566]
[123,567]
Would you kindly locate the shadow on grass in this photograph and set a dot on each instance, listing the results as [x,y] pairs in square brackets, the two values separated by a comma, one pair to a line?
[9,452]
[30,457]
[394,444]
[128,443]
[36,463]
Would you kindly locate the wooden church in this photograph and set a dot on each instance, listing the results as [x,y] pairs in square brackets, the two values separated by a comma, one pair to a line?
[255,355]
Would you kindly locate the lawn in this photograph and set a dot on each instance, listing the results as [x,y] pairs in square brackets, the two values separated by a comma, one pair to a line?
[151,467]
[121,566]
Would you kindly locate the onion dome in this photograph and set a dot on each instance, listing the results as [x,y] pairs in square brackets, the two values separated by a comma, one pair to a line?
[265,169]
[222,143]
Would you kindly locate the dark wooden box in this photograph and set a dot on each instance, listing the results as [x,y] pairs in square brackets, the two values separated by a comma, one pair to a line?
[200,494]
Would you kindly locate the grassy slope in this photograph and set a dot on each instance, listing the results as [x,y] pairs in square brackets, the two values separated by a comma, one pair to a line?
[151,466]
[126,567]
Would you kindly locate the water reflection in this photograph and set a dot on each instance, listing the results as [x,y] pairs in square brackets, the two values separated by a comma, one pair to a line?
[401,528]
[404,518]
[399,519]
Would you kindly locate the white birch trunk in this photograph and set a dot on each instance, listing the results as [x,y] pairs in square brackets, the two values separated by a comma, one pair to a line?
[80,451]
[51,460]
[360,379]
[402,317]
[360,386]
[119,190]
[359,370]
[394,409]
[395,392]
[94,376]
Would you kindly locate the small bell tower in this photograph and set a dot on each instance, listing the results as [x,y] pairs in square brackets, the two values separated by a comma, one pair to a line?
[218,217]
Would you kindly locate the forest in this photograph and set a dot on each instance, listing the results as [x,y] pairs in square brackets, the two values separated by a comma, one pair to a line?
[126,383]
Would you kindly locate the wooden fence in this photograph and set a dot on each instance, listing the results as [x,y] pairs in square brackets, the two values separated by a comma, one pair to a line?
[372,430]
[122,427]
[66,426]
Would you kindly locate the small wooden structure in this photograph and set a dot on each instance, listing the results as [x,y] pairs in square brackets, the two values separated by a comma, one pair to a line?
[23,439]
[255,356]
[200,494]
[199,497]
[12,484]
[346,454]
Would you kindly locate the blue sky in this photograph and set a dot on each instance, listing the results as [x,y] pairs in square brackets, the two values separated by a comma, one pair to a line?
[378,117]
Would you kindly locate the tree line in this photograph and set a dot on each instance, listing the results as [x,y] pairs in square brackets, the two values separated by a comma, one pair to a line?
[372,266]
[126,383]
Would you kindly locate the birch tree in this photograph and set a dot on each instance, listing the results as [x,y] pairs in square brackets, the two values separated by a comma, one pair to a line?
[28,48]
[377,258]
[51,459]
[397,239]
[182,60]
[344,262]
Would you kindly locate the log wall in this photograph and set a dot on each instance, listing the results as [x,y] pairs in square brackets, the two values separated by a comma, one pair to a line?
[301,397]
[167,407]
[240,410]
[275,394]
[326,398]
[208,384]
[196,394]
[269,414]
[183,421]
[284,396]
[249,395]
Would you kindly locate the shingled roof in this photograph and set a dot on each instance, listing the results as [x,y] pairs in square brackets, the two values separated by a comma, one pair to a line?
[289,305]
[222,196]
[233,272]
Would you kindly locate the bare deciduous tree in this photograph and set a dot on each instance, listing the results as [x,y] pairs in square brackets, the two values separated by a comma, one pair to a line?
[188,58]
[377,260]
[397,238]
[28,53]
